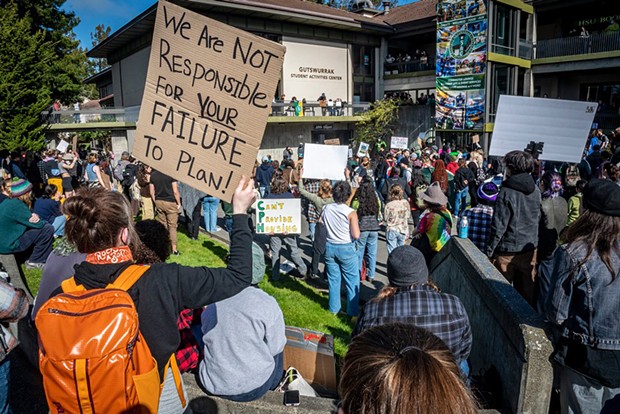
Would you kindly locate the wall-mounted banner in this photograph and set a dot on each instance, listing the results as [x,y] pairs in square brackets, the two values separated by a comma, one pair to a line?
[461,64]
[206,101]
[399,142]
[278,216]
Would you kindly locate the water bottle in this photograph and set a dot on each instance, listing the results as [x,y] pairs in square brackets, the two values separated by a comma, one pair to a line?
[463,227]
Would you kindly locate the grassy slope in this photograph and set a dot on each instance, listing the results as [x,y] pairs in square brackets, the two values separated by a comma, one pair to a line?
[302,305]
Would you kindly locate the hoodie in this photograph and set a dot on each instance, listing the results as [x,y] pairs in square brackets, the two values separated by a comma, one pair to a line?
[514,228]
[263,174]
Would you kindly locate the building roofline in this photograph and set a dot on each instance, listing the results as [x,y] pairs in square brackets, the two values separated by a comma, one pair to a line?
[94,78]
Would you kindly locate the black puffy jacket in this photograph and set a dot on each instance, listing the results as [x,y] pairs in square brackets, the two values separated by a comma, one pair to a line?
[514,228]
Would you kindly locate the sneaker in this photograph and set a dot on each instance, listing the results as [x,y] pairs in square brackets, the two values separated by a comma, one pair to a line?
[33,265]
[176,253]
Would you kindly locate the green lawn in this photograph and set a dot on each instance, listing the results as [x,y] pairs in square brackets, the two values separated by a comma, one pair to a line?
[303,306]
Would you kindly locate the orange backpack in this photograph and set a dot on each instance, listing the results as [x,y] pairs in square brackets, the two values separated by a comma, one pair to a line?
[92,355]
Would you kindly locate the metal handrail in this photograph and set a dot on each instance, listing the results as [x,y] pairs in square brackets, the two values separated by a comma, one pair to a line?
[578,45]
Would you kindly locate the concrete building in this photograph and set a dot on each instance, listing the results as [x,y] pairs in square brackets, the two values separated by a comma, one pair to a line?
[520,47]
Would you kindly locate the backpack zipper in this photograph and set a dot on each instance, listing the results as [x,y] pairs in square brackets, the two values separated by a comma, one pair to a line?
[65,313]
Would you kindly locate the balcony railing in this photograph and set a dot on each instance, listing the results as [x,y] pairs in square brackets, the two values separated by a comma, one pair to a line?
[577,45]
[414,65]
[131,114]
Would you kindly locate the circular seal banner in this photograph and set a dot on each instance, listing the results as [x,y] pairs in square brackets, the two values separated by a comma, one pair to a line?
[461,44]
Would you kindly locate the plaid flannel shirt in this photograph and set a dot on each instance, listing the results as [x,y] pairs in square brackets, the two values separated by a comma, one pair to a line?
[312,186]
[440,313]
[188,353]
[480,218]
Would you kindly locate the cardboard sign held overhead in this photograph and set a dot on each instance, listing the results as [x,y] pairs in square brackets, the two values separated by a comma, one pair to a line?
[562,125]
[399,142]
[206,101]
[325,161]
[278,216]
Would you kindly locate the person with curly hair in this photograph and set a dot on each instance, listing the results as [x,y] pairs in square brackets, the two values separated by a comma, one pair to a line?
[366,204]
[341,258]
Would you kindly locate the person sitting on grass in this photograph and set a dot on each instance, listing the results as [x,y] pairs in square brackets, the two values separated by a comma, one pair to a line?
[100,224]
[23,230]
[402,369]
[48,209]
[244,338]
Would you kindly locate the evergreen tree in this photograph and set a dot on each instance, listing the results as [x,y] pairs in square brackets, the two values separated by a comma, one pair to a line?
[99,35]
[69,65]
[24,88]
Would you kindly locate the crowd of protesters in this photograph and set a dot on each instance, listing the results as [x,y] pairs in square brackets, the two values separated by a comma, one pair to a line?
[551,228]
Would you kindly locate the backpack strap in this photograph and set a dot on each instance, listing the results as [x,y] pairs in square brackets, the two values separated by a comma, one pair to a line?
[176,374]
[69,285]
[128,278]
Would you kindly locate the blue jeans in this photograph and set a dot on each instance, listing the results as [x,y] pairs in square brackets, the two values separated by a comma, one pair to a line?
[41,239]
[342,262]
[311,228]
[59,225]
[368,243]
[210,205]
[394,239]
[264,190]
[460,201]
[5,384]
[229,221]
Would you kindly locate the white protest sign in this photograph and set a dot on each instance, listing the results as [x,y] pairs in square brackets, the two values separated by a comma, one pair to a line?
[325,161]
[363,149]
[62,146]
[278,216]
[562,125]
[206,101]
[399,142]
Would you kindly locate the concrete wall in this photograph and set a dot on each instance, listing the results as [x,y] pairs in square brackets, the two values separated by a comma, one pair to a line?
[414,119]
[510,355]
[410,82]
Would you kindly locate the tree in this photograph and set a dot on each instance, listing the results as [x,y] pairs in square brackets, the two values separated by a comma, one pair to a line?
[24,86]
[99,35]
[68,67]
[377,123]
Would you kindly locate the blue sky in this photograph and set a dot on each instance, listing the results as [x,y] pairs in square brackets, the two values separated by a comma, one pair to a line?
[113,13]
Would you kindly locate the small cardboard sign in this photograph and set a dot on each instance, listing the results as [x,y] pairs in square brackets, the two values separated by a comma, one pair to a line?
[332,141]
[399,142]
[62,146]
[325,161]
[278,216]
[363,149]
[206,100]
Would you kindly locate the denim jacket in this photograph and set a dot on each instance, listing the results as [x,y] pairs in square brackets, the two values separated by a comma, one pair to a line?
[583,300]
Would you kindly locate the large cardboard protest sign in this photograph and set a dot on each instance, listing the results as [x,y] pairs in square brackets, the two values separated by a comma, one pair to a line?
[563,126]
[399,142]
[325,161]
[278,216]
[208,93]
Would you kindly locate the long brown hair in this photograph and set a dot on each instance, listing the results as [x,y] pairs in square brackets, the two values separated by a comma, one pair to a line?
[402,369]
[325,189]
[440,174]
[96,217]
[395,193]
[597,231]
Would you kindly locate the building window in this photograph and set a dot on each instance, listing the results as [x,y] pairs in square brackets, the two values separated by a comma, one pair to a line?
[363,58]
[502,81]
[504,30]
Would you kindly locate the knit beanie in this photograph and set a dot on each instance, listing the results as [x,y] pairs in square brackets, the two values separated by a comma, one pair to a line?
[406,266]
[19,187]
[602,196]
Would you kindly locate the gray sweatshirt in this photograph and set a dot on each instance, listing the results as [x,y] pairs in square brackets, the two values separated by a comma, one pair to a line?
[242,335]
